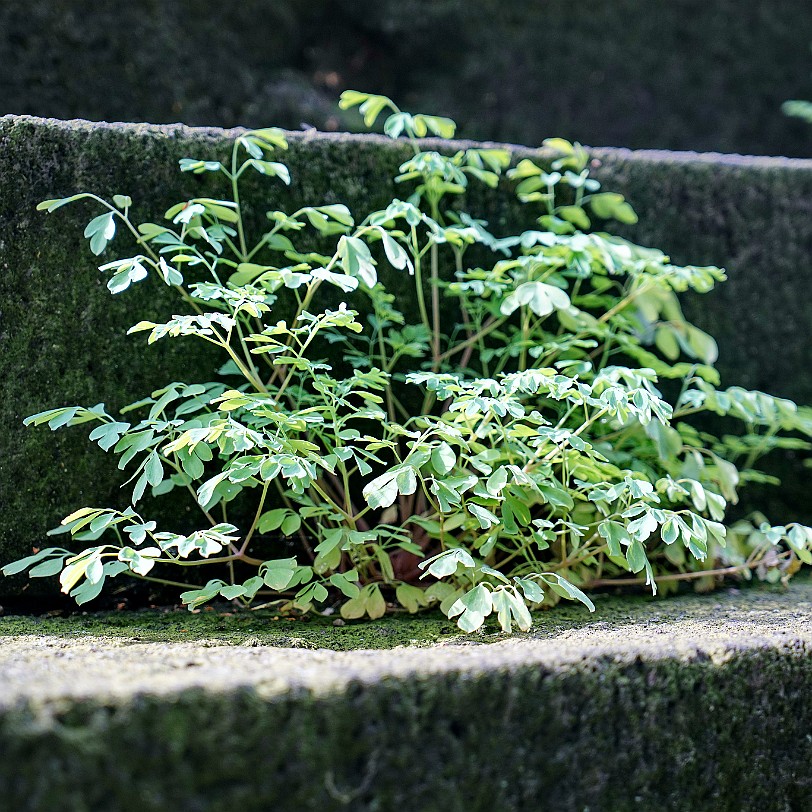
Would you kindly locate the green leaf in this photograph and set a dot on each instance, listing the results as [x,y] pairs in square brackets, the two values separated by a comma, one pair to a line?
[373,107]
[205,492]
[541,298]
[154,469]
[510,608]
[369,601]
[440,126]
[232,591]
[670,531]
[575,215]
[291,524]
[566,589]
[195,597]
[411,597]
[18,566]
[47,568]
[278,573]
[272,169]
[443,458]
[197,167]
[636,556]
[397,256]
[446,563]
[356,260]
[272,520]
[348,587]
[100,230]
[56,203]
[532,591]
[382,491]
[108,434]
[406,480]
[375,604]
[497,481]
[473,607]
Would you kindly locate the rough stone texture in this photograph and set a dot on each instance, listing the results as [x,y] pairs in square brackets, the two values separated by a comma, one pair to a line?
[63,336]
[695,704]
[684,74]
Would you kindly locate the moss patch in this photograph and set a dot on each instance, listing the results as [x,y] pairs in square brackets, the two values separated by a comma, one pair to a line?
[223,626]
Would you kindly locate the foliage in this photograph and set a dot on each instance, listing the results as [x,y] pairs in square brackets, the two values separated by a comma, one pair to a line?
[798,108]
[524,437]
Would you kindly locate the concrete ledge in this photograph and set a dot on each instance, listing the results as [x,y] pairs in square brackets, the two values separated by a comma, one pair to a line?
[691,704]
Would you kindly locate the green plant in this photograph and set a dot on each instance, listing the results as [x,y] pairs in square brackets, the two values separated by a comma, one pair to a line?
[798,108]
[506,447]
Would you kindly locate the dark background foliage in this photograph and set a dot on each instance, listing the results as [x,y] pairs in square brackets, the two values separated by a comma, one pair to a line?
[673,74]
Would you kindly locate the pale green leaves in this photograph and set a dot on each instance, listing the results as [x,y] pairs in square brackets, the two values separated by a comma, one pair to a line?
[100,230]
[282,519]
[370,106]
[473,607]
[272,169]
[539,297]
[45,562]
[356,260]
[446,563]
[198,167]
[443,458]
[278,573]
[57,203]
[510,608]
[382,491]
[369,601]
[259,142]
[798,109]
[126,272]
[609,205]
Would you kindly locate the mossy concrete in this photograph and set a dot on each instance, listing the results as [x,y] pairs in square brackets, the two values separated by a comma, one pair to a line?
[695,704]
[64,339]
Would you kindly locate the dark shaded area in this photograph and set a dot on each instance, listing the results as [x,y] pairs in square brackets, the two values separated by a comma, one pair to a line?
[684,74]
[754,215]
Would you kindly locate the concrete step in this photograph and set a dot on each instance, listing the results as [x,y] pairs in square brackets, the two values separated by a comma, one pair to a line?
[694,703]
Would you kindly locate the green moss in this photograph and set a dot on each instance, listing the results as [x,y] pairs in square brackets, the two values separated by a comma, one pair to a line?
[243,628]
[227,626]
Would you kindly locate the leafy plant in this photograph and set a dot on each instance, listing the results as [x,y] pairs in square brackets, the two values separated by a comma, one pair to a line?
[798,108]
[502,444]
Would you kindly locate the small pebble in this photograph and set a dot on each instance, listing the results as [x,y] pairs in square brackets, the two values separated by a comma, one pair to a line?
[339,622]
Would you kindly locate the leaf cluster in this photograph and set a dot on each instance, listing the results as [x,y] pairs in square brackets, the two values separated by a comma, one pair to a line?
[523,435]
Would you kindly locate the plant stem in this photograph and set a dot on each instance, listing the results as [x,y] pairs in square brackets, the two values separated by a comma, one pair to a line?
[253,527]
[235,196]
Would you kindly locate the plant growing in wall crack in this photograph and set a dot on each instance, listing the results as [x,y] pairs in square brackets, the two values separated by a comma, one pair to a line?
[508,445]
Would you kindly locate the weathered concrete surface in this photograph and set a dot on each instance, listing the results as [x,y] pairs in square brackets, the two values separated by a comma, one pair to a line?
[690,704]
